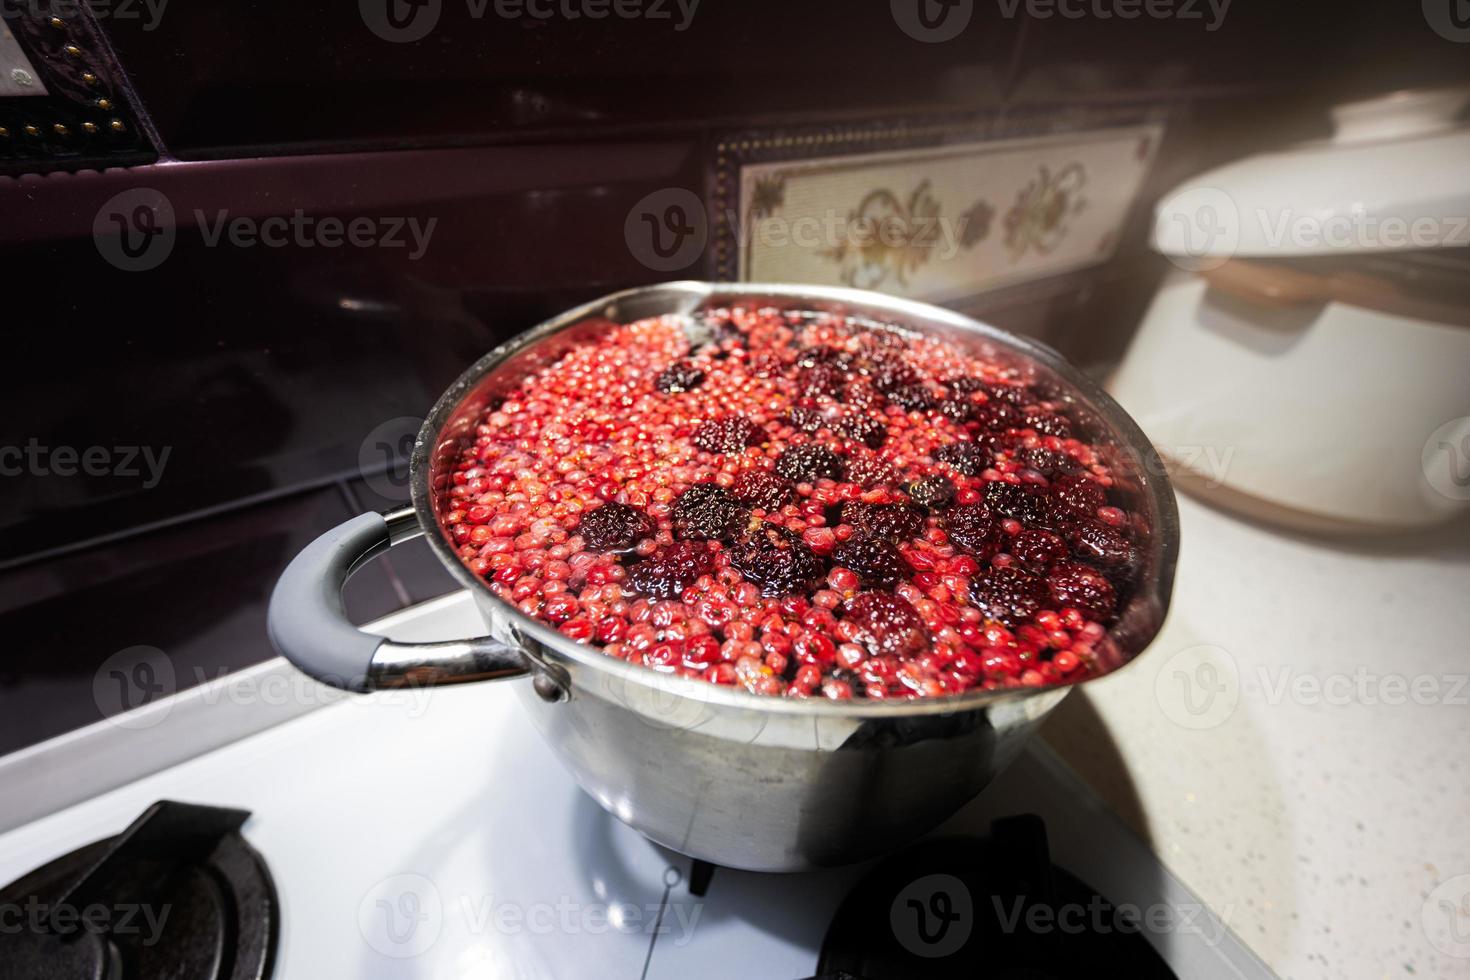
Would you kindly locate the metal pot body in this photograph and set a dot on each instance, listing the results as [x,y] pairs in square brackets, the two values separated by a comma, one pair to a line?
[743,787]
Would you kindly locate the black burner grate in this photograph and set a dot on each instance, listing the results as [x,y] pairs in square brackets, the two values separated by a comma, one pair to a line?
[178,894]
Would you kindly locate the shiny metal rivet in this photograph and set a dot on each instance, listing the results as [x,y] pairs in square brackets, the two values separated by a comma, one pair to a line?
[117,126]
[72,50]
[4,132]
[60,130]
[32,131]
[104,104]
[58,23]
[90,127]
[549,690]
[89,78]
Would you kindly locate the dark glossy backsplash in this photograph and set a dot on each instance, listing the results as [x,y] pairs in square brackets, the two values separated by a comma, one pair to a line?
[356,218]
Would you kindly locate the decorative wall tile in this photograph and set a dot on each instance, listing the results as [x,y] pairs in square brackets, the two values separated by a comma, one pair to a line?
[942,223]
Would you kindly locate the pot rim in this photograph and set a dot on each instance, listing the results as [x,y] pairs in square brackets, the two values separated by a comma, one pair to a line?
[693,294]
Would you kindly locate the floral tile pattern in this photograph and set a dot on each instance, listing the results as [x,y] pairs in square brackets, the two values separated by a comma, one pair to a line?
[942,223]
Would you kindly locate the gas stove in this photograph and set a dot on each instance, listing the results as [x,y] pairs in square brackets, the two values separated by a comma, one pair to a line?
[432,834]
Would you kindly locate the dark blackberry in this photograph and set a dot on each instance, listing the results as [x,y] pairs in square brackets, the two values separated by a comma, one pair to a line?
[809,463]
[1082,587]
[1021,503]
[671,570]
[707,511]
[887,624]
[886,522]
[678,377]
[763,489]
[1048,423]
[805,419]
[863,396]
[1102,544]
[996,443]
[877,563]
[776,560]
[614,527]
[1008,595]
[864,429]
[1038,550]
[965,385]
[969,458]
[823,379]
[811,357]
[1011,394]
[870,471]
[974,529]
[731,434]
[890,374]
[932,492]
[912,397]
[957,410]
[881,341]
[1077,495]
[998,416]
[1048,462]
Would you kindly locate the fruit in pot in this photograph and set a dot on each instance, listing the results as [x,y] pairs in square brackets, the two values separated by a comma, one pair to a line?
[801,506]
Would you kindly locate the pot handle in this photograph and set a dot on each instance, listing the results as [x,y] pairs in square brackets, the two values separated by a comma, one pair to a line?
[309,627]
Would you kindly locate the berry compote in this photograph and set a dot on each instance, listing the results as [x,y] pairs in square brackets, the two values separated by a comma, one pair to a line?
[802,506]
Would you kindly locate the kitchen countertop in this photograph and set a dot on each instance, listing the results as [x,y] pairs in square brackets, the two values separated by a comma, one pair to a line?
[1293,744]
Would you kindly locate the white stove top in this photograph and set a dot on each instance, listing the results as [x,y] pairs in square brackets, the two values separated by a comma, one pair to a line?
[434,835]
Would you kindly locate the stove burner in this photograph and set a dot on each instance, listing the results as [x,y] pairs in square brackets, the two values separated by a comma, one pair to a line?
[178,894]
[978,907]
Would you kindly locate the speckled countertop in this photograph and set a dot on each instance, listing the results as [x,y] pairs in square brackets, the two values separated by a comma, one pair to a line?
[1294,744]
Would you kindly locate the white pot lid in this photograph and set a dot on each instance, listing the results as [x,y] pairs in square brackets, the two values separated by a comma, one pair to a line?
[1395,175]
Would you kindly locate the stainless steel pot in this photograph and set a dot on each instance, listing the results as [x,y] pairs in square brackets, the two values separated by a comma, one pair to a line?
[766,784]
